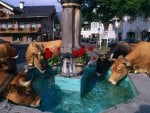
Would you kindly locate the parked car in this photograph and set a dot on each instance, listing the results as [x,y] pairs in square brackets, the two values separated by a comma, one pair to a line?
[92,41]
[112,42]
[130,40]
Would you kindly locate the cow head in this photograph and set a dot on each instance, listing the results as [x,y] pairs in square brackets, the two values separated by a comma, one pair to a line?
[119,70]
[36,52]
[20,91]
[37,58]
[8,56]
[103,64]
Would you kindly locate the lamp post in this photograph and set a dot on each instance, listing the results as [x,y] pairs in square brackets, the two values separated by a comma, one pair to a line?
[100,38]
[101,31]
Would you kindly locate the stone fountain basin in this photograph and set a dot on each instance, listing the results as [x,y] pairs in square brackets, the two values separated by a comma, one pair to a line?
[87,93]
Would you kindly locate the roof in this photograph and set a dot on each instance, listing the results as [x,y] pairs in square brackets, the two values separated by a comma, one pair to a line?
[30,11]
[10,7]
[35,11]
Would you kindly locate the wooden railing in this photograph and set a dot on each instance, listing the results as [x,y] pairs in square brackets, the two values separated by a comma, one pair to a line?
[18,30]
[6,17]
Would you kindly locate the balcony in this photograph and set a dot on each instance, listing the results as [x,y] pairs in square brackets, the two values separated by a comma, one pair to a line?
[4,17]
[18,30]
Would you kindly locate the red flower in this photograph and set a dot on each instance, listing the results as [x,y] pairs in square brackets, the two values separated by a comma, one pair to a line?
[47,54]
[94,58]
[82,51]
[75,53]
[58,49]
[47,49]
[90,48]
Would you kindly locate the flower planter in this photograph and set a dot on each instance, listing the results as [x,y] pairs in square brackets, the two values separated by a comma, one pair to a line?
[79,67]
[55,66]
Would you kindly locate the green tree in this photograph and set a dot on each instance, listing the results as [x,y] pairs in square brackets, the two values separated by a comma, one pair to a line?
[105,10]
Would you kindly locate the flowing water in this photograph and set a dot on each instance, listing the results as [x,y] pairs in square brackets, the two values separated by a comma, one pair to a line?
[102,95]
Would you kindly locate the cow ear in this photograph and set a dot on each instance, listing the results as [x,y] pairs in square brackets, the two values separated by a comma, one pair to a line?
[40,47]
[126,63]
[37,46]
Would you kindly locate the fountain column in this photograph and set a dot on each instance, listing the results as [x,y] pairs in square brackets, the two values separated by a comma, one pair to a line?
[70,24]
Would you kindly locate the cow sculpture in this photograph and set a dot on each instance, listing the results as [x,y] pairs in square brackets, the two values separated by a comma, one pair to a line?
[8,56]
[138,61]
[105,61]
[19,90]
[35,53]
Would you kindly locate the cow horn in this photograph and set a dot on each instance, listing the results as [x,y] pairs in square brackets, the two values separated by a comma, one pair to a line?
[111,57]
[97,53]
[15,57]
[39,53]
[24,83]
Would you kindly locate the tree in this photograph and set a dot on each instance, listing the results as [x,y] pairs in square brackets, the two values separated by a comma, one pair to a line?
[106,10]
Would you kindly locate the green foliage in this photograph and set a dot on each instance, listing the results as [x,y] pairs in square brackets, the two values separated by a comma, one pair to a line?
[105,10]
[54,60]
[84,59]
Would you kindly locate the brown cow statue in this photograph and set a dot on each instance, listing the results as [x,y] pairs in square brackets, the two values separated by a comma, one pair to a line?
[105,61]
[8,56]
[35,53]
[138,61]
[19,90]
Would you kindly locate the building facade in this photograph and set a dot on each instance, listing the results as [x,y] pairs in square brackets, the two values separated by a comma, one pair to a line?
[136,29]
[133,30]
[26,23]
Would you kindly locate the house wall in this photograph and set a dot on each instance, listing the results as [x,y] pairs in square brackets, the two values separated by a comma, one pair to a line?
[136,26]
[96,29]
[25,29]
[86,32]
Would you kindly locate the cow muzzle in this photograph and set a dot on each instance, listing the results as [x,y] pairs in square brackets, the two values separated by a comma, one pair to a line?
[36,103]
[24,83]
[112,82]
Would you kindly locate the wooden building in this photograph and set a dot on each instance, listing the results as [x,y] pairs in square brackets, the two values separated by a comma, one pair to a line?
[26,23]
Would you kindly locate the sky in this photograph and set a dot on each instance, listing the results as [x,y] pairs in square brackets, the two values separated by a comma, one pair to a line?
[35,3]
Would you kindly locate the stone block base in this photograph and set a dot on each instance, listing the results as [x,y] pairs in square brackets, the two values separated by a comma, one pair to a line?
[76,83]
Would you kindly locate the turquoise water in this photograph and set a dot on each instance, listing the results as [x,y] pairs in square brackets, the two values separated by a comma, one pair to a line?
[102,96]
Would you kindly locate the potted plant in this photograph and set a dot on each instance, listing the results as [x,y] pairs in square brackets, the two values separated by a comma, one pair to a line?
[53,61]
[82,57]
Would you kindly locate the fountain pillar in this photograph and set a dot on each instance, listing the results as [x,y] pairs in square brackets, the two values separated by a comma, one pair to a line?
[70,24]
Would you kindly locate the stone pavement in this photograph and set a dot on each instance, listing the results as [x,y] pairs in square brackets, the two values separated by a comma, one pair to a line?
[139,104]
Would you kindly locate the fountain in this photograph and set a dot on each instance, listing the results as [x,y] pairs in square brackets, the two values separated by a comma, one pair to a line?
[71,27]
[64,90]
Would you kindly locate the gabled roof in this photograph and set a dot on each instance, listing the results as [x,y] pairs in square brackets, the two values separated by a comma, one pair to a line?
[30,11]
[10,7]
[35,11]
